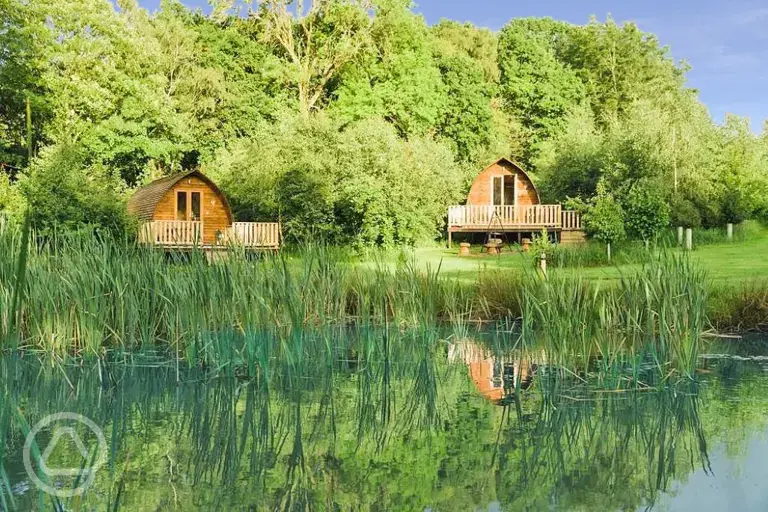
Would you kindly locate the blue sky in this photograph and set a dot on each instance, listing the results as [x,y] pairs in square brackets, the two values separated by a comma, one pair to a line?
[725,41]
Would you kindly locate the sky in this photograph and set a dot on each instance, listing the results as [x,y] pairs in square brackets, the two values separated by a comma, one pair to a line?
[724,41]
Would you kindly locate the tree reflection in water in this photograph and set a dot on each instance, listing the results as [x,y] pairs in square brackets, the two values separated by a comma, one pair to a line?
[457,427]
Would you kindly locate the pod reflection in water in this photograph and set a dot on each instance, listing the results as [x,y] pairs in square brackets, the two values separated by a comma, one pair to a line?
[495,376]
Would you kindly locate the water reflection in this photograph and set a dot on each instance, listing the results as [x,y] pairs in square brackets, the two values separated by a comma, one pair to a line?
[496,376]
[452,427]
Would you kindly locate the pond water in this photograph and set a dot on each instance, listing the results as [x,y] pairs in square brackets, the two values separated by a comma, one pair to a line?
[465,427]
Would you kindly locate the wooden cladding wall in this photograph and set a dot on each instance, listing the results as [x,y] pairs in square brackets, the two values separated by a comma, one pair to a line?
[213,210]
[480,193]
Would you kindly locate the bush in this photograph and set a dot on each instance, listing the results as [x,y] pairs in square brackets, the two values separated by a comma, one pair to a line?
[382,190]
[541,244]
[62,189]
[684,213]
[734,207]
[12,203]
[306,206]
[647,213]
[604,218]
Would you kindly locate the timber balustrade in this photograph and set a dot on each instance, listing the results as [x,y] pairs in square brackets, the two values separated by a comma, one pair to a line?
[571,220]
[172,233]
[181,233]
[255,234]
[550,216]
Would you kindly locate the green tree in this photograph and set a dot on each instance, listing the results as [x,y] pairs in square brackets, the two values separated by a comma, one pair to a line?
[620,64]
[604,218]
[467,121]
[454,39]
[21,67]
[535,84]
[306,206]
[646,211]
[64,191]
[397,78]
[572,163]
[316,39]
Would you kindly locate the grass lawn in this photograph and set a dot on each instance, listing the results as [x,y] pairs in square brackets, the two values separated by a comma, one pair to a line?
[739,261]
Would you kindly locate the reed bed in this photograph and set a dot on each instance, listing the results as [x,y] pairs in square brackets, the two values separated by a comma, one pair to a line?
[740,307]
[84,295]
[658,313]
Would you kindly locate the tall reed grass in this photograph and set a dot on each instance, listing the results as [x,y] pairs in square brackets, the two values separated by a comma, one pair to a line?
[86,294]
[659,312]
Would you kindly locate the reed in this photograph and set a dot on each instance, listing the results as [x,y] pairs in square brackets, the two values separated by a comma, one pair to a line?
[86,294]
[658,313]
[741,307]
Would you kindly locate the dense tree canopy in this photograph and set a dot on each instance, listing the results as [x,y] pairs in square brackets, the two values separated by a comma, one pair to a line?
[373,118]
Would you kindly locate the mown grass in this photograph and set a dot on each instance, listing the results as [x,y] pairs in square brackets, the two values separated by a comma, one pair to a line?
[739,260]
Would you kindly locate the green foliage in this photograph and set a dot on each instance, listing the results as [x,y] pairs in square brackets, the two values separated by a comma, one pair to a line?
[454,39]
[683,212]
[604,218]
[12,203]
[141,95]
[468,118]
[541,245]
[535,84]
[20,76]
[398,78]
[572,163]
[381,189]
[306,206]
[646,212]
[620,64]
[62,190]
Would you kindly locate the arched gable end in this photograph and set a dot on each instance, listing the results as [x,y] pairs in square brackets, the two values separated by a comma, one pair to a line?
[144,202]
[482,186]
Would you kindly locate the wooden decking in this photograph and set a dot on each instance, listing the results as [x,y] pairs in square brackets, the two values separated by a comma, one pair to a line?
[180,234]
[512,219]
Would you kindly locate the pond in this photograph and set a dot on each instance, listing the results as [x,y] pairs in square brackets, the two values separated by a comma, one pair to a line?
[465,427]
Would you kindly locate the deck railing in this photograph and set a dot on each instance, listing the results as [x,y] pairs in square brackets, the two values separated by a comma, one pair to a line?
[501,218]
[255,234]
[172,233]
[571,220]
[505,217]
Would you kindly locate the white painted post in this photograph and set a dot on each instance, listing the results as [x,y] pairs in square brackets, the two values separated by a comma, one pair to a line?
[609,251]
[680,236]
[729,229]
[543,263]
[689,239]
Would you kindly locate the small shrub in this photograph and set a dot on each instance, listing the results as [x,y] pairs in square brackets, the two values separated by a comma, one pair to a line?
[604,218]
[541,244]
[646,212]
[685,213]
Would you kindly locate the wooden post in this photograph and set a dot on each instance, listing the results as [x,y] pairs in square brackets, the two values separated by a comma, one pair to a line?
[450,238]
[30,152]
[543,263]
[609,251]
[729,229]
[689,239]
[680,236]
